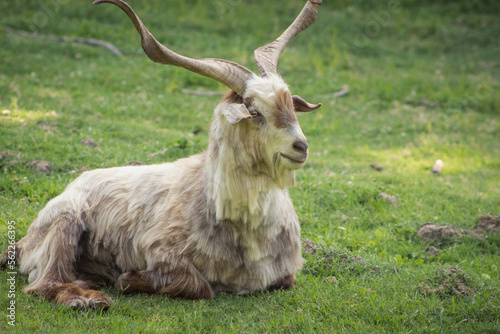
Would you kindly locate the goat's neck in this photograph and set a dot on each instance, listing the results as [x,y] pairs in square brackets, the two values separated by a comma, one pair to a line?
[239,189]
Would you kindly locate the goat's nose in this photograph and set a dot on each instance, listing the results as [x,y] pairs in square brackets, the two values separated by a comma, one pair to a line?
[300,146]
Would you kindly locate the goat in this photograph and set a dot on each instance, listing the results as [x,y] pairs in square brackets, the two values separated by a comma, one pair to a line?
[218,221]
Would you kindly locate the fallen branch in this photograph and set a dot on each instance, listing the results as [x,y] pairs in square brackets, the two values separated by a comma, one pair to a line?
[343,92]
[152,155]
[88,41]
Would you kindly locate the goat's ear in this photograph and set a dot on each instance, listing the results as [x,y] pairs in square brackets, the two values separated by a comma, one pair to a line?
[302,105]
[235,113]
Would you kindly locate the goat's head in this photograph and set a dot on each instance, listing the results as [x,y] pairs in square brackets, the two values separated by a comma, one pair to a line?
[259,112]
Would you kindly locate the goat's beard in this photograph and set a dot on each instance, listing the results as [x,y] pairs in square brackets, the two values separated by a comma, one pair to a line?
[239,192]
[276,170]
[282,174]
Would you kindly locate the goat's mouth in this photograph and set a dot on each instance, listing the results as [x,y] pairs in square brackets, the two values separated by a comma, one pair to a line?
[296,161]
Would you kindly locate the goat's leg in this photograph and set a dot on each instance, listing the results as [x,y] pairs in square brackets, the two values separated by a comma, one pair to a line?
[182,281]
[54,278]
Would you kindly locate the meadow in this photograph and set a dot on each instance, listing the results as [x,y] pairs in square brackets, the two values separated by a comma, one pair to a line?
[422,79]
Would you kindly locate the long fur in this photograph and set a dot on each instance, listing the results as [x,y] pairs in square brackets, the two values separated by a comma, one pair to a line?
[218,221]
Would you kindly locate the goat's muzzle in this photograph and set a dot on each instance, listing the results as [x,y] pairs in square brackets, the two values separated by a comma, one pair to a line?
[300,152]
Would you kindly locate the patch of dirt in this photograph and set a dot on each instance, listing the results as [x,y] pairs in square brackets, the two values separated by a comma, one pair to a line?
[423,102]
[325,261]
[332,280]
[309,246]
[377,167]
[49,125]
[488,224]
[80,170]
[88,142]
[197,130]
[4,154]
[8,159]
[135,163]
[329,254]
[388,198]
[449,281]
[430,232]
[41,166]
[433,251]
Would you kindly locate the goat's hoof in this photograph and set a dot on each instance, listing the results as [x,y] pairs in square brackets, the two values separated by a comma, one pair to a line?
[76,303]
[99,304]
[82,299]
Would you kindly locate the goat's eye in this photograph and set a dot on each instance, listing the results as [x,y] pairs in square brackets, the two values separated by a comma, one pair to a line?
[254,113]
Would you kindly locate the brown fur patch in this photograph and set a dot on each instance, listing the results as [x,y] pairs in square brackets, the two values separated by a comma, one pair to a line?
[248,102]
[134,282]
[181,281]
[85,284]
[95,270]
[284,115]
[232,97]
[285,283]
[187,282]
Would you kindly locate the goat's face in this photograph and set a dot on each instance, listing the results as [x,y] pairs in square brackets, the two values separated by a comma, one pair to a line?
[263,127]
[273,118]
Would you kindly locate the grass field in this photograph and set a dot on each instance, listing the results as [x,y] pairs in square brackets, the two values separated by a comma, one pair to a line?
[423,85]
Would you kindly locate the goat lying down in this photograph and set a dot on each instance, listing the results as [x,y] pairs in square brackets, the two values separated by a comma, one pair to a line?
[219,221]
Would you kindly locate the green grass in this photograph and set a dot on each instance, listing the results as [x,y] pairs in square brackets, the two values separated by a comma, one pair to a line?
[423,79]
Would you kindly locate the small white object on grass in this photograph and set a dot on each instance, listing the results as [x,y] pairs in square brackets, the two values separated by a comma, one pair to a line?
[438,167]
